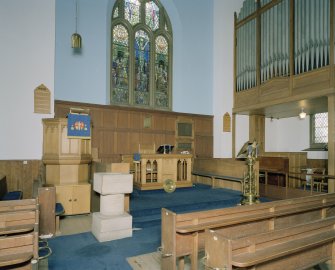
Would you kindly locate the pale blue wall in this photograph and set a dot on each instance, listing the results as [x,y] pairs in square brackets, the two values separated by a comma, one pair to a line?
[85,77]
[81,77]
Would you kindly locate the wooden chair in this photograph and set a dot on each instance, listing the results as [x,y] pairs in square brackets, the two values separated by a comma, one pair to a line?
[306,179]
[319,181]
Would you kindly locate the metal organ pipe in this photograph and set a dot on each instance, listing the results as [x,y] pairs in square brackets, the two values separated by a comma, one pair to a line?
[246,48]
[312,28]
[275,41]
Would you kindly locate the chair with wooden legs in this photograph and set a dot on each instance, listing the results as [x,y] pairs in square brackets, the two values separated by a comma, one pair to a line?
[319,181]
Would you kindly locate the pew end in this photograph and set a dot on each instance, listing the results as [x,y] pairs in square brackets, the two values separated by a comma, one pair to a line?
[19,228]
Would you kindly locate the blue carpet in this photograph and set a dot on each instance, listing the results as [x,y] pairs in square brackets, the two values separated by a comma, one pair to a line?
[83,251]
[146,206]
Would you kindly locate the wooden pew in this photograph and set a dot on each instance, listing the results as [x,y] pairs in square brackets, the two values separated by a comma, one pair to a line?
[5,195]
[277,167]
[19,234]
[292,248]
[183,234]
[221,172]
[18,216]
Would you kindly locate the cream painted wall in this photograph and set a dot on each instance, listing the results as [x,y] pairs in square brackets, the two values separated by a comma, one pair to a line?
[223,81]
[27,30]
[27,50]
[290,135]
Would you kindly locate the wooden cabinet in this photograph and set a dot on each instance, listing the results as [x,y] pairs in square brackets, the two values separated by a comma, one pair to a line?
[152,170]
[76,199]
[67,162]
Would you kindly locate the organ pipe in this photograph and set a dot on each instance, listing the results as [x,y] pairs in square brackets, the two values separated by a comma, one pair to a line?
[311,47]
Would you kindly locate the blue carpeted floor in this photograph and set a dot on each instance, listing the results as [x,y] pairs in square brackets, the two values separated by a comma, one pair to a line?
[83,251]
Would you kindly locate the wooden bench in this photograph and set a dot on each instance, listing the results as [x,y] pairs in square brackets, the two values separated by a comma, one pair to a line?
[278,167]
[19,221]
[292,248]
[214,176]
[184,234]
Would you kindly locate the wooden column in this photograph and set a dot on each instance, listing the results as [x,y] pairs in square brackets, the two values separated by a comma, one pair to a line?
[331,142]
[233,128]
[257,131]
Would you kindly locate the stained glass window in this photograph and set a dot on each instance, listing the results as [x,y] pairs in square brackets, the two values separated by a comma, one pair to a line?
[152,15]
[120,65]
[141,55]
[142,68]
[161,72]
[132,11]
[116,12]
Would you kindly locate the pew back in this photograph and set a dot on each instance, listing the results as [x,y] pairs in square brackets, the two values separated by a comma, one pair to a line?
[295,247]
[183,234]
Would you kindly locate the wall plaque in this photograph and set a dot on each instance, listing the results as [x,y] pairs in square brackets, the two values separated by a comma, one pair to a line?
[42,100]
[226,122]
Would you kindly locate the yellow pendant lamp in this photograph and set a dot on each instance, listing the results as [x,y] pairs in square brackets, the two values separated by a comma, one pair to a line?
[76,38]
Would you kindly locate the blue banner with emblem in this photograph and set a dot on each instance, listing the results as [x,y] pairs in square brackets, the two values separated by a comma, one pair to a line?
[79,126]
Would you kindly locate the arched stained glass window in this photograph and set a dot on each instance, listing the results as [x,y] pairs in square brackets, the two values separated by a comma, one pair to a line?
[116,12]
[120,65]
[132,11]
[141,55]
[152,15]
[142,68]
[161,71]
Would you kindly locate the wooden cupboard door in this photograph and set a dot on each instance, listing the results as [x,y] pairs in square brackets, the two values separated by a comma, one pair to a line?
[81,199]
[64,196]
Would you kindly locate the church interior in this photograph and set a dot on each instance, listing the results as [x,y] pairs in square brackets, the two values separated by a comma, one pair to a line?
[167,134]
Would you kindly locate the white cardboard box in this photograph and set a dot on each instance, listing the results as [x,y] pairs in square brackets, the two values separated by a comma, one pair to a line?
[113,183]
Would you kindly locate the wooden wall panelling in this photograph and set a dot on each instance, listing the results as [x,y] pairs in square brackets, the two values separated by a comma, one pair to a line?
[134,139]
[203,146]
[202,126]
[317,163]
[122,143]
[158,122]
[119,130]
[297,160]
[21,176]
[170,123]
[147,138]
[109,120]
[123,119]
[136,120]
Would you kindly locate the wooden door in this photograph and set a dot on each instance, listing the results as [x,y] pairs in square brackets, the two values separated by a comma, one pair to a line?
[64,196]
[81,199]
